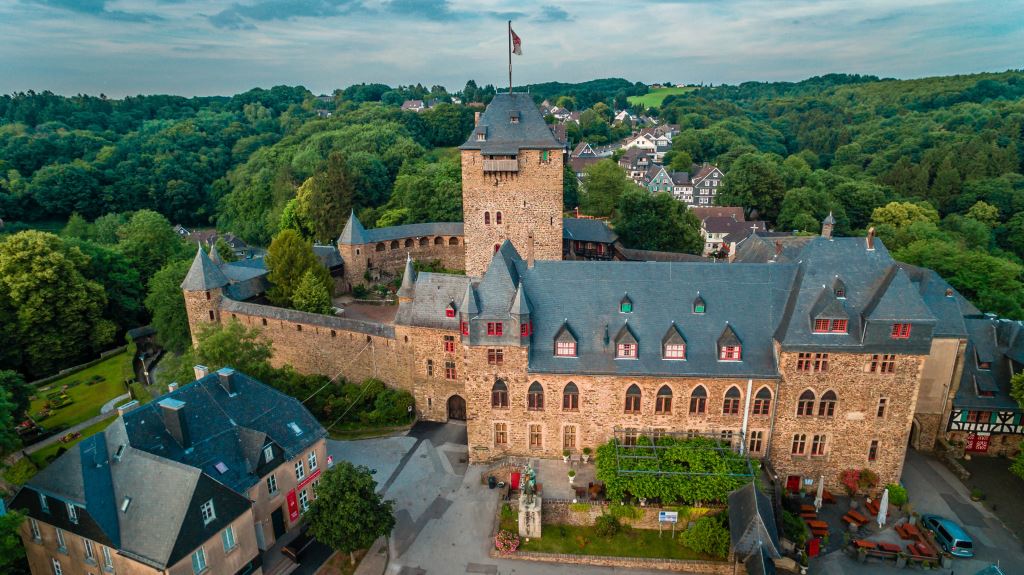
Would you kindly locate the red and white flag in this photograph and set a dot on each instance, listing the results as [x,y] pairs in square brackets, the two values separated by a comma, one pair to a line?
[517,44]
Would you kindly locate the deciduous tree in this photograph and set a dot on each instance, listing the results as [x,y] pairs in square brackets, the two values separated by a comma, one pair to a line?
[656,222]
[149,241]
[753,182]
[288,259]
[166,304]
[348,514]
[603,184]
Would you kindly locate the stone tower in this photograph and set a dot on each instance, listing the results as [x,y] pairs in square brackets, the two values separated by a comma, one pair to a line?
[511,183]
[203,288]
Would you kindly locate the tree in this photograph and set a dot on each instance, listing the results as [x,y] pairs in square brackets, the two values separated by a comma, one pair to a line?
[946,185]
[232,345]
[58,311]
[9,440]
[327,197]
[14,384]
[753,182]
[227,253]
[312,295]
[984,213]
[570,189]
[166,304]
[903,214]
[118,275]
[348,514]
[288,259]
[657,222]
[149,241]
[603,183]
[681,161]
[805,208]
[12,551]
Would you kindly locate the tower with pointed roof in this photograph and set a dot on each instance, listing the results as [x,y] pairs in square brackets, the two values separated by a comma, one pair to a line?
[203,288]
[511,183]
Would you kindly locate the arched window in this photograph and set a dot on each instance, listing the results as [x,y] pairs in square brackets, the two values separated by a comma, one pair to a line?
[453,241]
[438,241]
[663,403]
[380,247]
[762,401]
[731,405]
[394,244]
[487,218]
[424,242]
[827,405]
[499,394]
[497,218]
[633,399]
[408,242]
[698,400]
[805,405]
[570,397]
[535,397]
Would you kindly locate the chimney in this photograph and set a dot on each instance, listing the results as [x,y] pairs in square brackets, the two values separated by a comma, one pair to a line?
[476,119]
[173,413]
[173,386]
[778,248]
[123,409]
[201,371]
[226,375]
[529,251]
[827,225]
[871,239]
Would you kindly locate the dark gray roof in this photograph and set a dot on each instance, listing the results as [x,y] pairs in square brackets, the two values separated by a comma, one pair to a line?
[506,138]
[760,562]
[408,279]
[213,419]
[630,254]
[329,256]
[215,255]
[434,292]
[204,274]
[587,230]
[354,232]
[760,247]
[407,231]
[752,522]
[989,340]
[949,310]
[329,321]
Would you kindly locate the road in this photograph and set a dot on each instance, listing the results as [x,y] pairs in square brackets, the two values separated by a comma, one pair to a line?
[934,489]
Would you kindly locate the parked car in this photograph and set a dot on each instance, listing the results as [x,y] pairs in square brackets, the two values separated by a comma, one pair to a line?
[949,535]
[298,545]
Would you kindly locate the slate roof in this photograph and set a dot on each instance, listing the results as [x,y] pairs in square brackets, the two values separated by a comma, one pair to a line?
[506,138]
[329,256]
[760,247]
[728,225]
[433,294]
[717,211]
[354,233]
[683,179]
[587,230]
[578,165]
[752,522]
[230,305]
[949,310]
[760,562]
[634,255]
[203,274]
[989,340]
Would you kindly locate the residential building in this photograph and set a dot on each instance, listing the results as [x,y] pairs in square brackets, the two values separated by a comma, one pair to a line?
[706,182]
[414,106]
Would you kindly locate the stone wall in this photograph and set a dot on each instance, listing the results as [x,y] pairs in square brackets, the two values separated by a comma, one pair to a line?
[1007,444]
[530,201]
[854,423]
[386,260]
[432,389]
[674,565]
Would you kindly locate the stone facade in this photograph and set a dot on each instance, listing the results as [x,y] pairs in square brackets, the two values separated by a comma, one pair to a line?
[529,202]
[382,261]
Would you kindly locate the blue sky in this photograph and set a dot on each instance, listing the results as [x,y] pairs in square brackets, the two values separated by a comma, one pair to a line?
[194,47]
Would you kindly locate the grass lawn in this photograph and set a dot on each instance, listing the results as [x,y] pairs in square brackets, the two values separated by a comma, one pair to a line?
[654,98]
[87,399]
[40,457]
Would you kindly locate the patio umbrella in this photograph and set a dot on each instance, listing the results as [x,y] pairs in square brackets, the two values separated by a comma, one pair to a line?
[821,489]
[883,508]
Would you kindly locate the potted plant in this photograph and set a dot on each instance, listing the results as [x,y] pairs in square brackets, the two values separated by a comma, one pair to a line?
[572,476]
[901,560]
[586,454]
[851,483]
[804,563]
[565,456]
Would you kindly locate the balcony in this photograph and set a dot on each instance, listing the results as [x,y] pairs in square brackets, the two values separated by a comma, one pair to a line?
[501,166]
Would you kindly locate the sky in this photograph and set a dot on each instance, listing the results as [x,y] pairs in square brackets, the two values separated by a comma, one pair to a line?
[222,47]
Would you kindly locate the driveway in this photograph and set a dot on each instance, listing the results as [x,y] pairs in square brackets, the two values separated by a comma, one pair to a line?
[444,515]
[934,489]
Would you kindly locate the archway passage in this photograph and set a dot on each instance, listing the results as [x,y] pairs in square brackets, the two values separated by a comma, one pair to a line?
[457,408]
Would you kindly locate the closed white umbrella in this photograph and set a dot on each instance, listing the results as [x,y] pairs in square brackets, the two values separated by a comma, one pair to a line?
[821,489]
[883,508]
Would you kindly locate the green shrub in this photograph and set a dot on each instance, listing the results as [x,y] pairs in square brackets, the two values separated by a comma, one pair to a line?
[20,472]
[709,535]
[625,511]
[360,292]
[579,507]
[794,527]
[897,494]
[607,526]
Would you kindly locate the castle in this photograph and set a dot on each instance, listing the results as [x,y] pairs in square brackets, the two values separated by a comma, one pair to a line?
[814,355]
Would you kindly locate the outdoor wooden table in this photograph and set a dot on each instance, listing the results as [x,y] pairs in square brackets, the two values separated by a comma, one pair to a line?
[862,544]
[808,515]
[890,547]
[808,508]
[855,515]
[817,524]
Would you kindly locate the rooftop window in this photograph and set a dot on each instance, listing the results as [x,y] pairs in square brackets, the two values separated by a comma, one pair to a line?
[125,503]
[295,428]
[207,511]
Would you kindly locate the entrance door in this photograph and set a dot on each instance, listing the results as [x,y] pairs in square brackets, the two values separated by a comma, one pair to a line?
[457,408]
[277,518]
[793,484]
[977,443]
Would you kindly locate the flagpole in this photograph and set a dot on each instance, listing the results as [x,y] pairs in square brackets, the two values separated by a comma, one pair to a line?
[510,57]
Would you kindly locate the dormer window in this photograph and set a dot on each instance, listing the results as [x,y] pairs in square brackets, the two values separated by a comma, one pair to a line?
[72,513]
[821,326]
[698,305]
[900,331]
[565,342]
[838,326]
[625,351]
[481,134]
[43,504]
[450,310]
[730,353]
[673,346]
[626,305]
[268,453]
[207,512]
[839,288]
[125,503]
[729,346]
[513,116]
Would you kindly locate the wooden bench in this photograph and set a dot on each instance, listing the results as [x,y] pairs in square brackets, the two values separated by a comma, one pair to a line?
[809,508]
[855,518]
[819,532]
[920,552]
[808,515]
[908,531]
[889,547]
[872,507]
[864,544]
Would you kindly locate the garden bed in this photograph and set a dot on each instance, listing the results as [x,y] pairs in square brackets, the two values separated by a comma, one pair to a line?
[44,456]
[86,392]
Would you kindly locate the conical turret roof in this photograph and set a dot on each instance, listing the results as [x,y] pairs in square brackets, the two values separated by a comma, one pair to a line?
[469,305]
[408,279]
[521,304]
[204,274]
[215,255]
[354,232]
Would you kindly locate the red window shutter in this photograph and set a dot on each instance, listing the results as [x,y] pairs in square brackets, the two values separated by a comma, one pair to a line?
[465,328]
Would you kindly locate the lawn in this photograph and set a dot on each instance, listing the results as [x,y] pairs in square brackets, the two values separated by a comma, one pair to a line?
[41,458]
[654,98]
[87,398]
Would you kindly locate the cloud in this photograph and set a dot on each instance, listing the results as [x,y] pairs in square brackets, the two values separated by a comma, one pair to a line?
[98,8]
[553,14]
[239,16]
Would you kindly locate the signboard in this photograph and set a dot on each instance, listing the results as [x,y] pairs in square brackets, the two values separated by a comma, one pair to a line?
[330,461]
[668,516]
[307,480]
[293,506]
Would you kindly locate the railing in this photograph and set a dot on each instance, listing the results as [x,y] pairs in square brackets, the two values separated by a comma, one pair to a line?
[501,165]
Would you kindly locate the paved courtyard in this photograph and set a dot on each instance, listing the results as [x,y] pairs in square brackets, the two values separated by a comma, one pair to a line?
[444,514]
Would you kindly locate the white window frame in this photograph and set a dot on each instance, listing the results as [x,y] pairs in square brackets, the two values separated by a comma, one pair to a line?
[272,484]
[108,559]
[57,570]
[199,561]
[300,470]
[227,537]
[72,513]
[43,504]
[268,453]
[34,525]
[303,501]
[61,543]
[208,512]
[312,460]
[90,550]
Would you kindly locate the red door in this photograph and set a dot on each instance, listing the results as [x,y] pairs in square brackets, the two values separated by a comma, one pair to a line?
[793,483]
[977,443]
